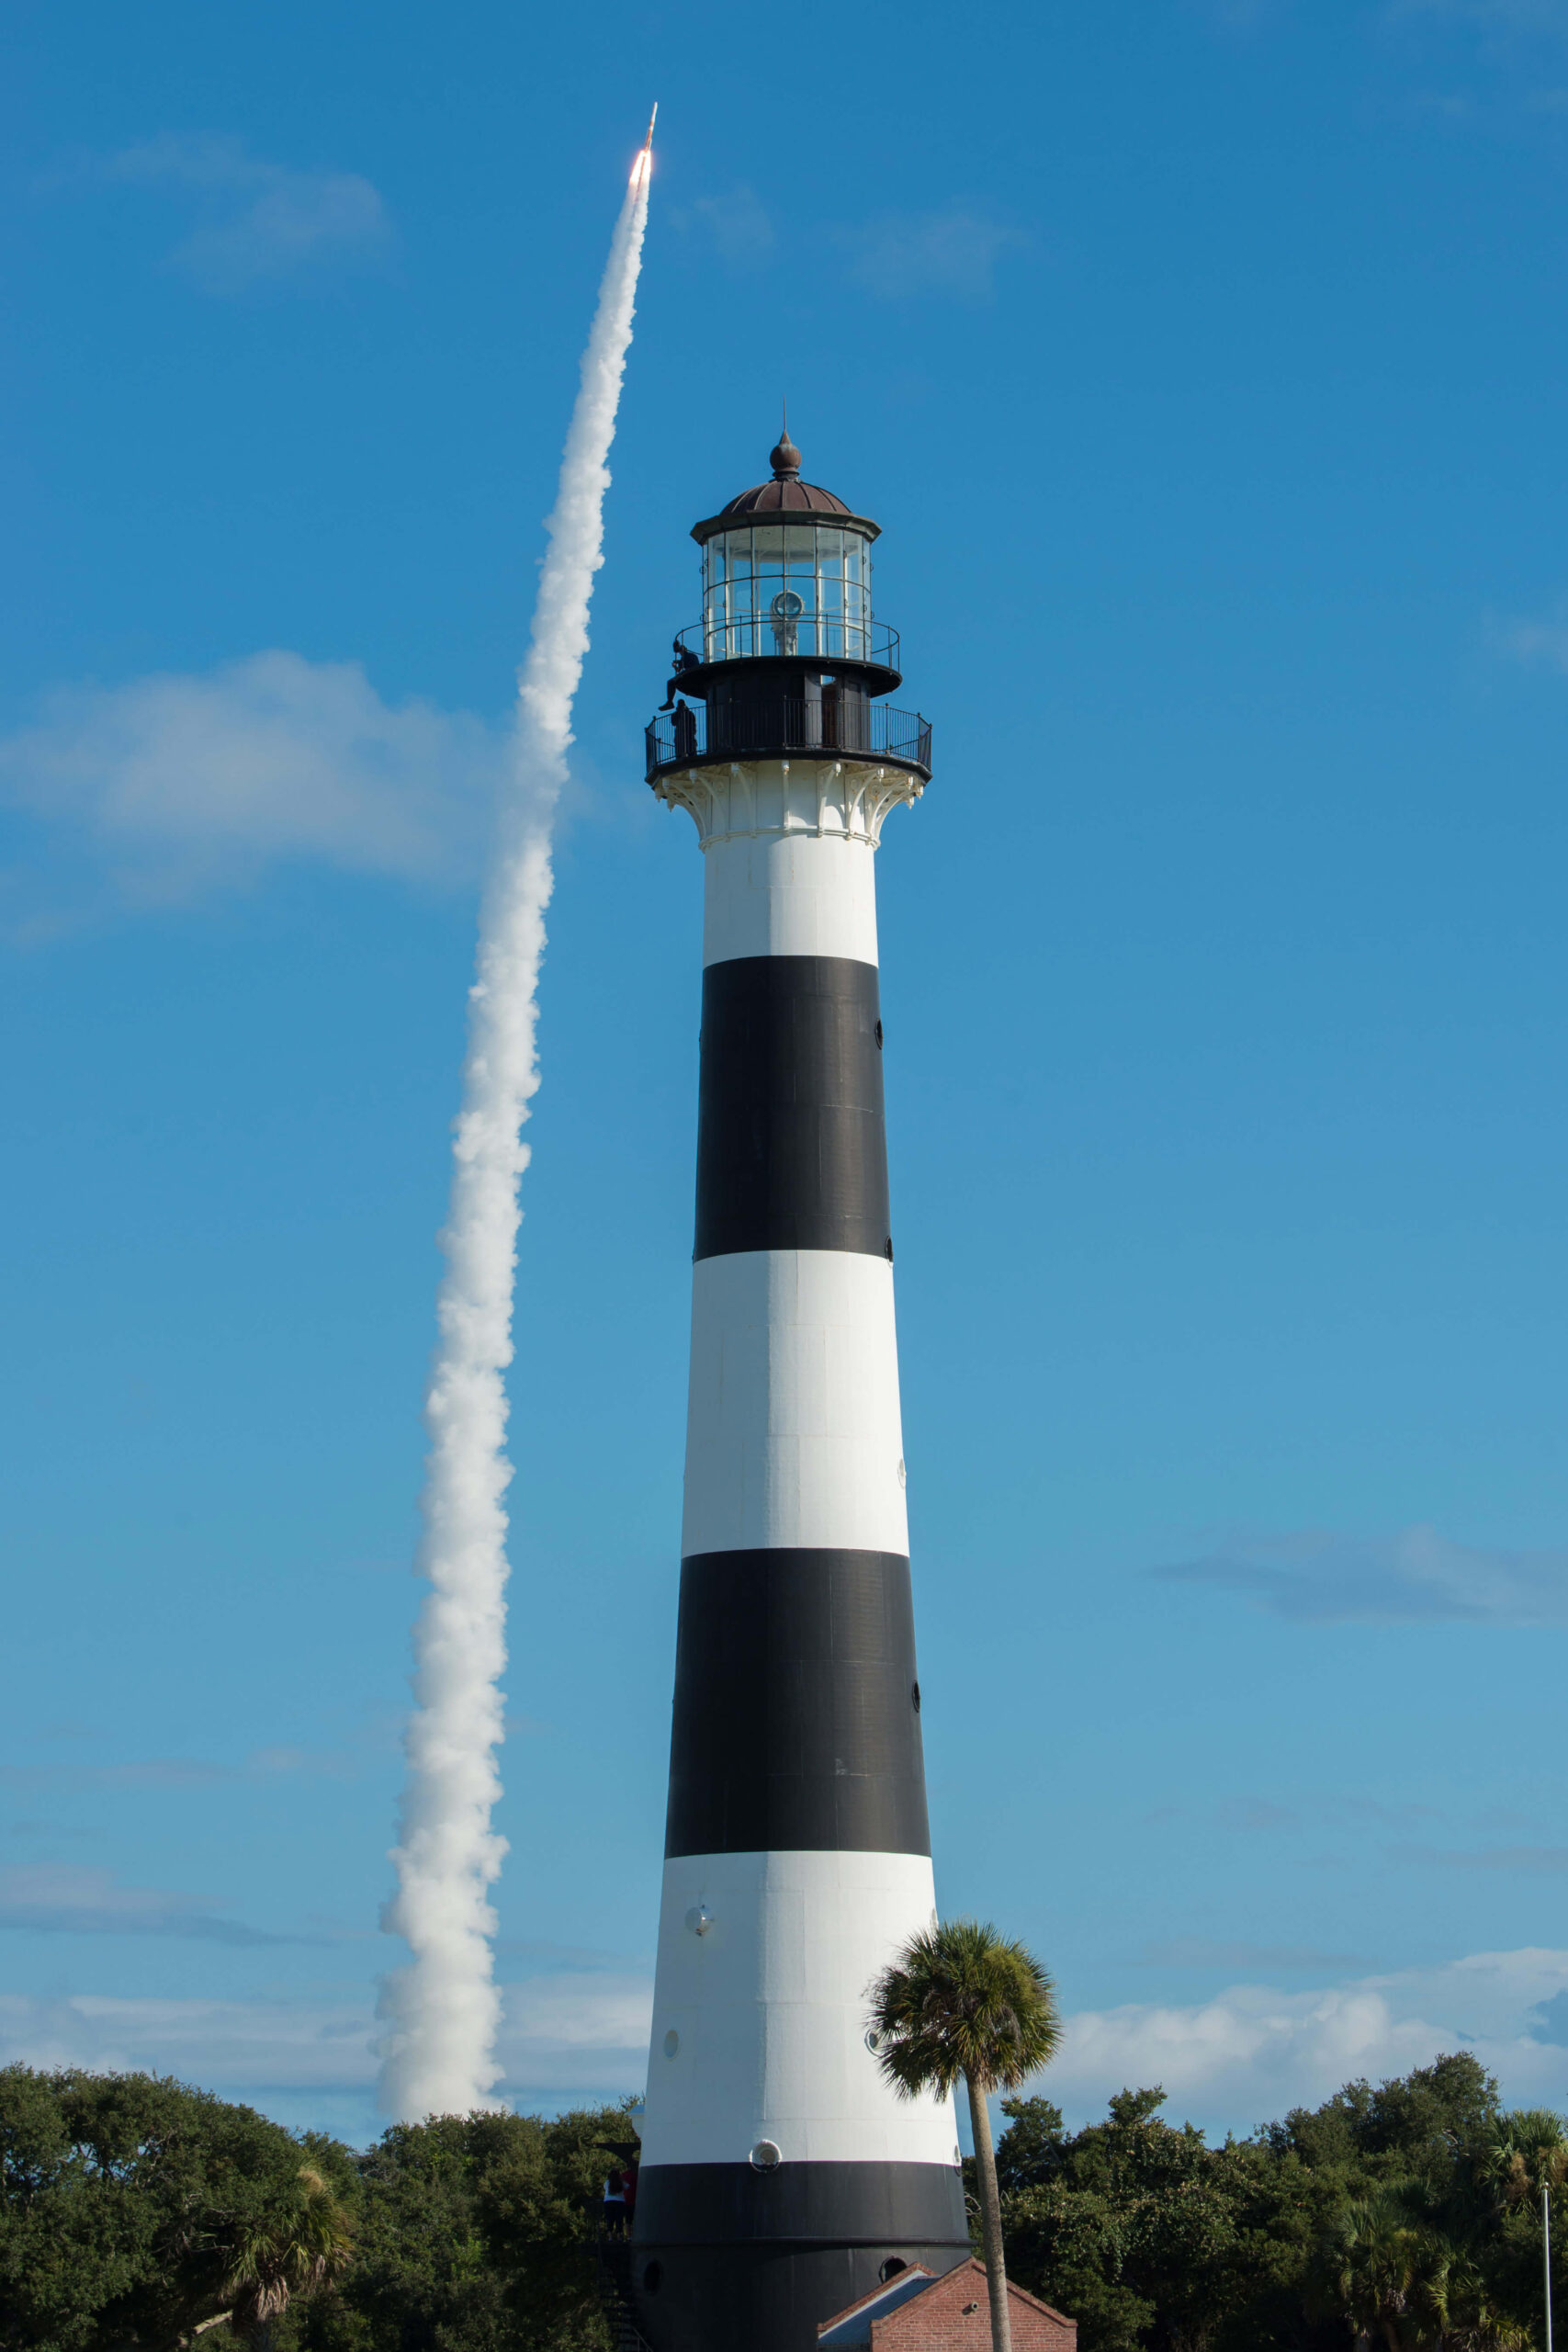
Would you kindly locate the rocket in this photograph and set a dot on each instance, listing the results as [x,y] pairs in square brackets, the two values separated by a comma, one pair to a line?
[780,2176]
[653,117]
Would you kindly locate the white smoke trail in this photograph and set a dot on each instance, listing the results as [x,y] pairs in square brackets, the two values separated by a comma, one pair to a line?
[439,2050]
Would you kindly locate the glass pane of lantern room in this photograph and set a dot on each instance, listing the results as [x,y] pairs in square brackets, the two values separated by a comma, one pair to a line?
[739,561]
[767,559]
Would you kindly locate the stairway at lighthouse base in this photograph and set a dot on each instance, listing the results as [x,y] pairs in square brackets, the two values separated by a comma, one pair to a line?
[615,2265]
[728,2259]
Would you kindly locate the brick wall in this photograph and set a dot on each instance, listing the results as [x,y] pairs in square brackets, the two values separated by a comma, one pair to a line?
[954,2315]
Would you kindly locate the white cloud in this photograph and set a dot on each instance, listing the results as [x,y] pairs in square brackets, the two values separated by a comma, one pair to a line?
[952,252]
[62,1898]
[1417,1576]
[264,220]
[1236,2061]
[178,783]
[1250,2054]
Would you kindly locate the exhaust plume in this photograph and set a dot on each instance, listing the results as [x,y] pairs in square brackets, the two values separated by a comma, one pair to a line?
[442,2011]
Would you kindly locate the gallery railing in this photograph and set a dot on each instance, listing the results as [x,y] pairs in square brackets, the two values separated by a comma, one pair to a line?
[784,625]
[776,724]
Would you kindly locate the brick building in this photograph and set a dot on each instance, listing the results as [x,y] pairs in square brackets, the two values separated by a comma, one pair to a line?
[917,2311]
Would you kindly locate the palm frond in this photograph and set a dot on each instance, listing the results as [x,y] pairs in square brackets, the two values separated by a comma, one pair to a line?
[962,2002]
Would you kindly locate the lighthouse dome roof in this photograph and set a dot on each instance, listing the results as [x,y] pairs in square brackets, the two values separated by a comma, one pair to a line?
[782,495]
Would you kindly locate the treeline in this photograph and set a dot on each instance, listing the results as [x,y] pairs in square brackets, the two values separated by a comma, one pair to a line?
[1407,2217]
[136,2212]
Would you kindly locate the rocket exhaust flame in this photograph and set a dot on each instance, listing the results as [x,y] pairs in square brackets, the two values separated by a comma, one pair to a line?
[442,2011]
[644,164]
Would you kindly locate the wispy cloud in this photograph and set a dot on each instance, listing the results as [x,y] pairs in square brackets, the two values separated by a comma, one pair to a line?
[261,220]
[1244,15]
[62,1898]
[1198,1951]
[1541,644]
[182,1771]
[738,225]
[175,784]
[1491,15]
[1535,1860]
[952,252]
[1415,1577]
[1256,1813]
[562,2031]
[147,1773]
[239,2044]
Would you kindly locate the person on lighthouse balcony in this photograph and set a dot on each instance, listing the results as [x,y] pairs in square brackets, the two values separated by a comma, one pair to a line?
[681,659]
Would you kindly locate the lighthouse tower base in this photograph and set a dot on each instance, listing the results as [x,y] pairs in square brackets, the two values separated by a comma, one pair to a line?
[783,2251]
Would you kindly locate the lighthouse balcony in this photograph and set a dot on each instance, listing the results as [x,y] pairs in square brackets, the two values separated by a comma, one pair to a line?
[789,625]
[776,726]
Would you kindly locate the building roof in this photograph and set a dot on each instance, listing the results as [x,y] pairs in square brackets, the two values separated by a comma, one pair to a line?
[854,2324]
[782,495]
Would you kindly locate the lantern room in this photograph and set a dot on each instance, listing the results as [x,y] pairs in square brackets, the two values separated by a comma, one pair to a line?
[787,655]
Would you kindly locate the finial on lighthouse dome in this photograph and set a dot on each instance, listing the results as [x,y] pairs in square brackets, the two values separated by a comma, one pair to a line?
[783,494]
[784,456]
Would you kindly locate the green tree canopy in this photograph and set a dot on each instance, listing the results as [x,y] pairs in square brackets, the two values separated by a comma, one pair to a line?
[126,2202]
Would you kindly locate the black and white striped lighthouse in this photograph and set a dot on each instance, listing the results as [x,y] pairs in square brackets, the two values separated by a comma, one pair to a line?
[781,2179]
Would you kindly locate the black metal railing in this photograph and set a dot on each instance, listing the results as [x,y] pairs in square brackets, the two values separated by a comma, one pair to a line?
[775,724]
[804,633]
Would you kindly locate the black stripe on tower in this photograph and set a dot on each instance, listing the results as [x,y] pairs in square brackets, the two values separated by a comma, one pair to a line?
[792,1149]
[740,2261]
[797,1715]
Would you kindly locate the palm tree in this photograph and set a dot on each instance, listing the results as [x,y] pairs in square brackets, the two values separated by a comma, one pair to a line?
[1371,2269]
[962,2000]
[1527,2153]
[1527,2159]
[293,2248]
[1454,2302]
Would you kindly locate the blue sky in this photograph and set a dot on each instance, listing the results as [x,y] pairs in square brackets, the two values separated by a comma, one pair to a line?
[1205,365]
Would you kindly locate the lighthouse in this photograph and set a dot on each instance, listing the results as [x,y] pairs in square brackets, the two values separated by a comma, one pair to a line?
[780,2176]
